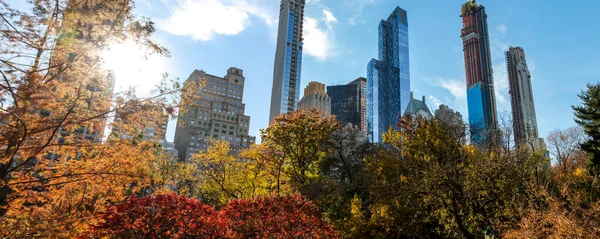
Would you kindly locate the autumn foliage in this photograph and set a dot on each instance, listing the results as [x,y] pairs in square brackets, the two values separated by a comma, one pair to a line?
[171,216]
[276,217]
[161,216]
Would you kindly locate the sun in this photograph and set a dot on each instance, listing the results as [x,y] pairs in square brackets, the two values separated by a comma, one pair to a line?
[132,67]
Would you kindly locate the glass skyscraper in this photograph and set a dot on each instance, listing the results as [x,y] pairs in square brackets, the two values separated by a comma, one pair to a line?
[388,78]
[285,93]
[479,74]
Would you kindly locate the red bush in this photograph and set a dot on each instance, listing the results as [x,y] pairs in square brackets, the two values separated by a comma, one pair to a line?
[170,216]
[276,217]
[162,216]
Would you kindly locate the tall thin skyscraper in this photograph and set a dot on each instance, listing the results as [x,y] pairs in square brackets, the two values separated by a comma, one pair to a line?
[388,79]
[288,59]
[521,97]
[478,67]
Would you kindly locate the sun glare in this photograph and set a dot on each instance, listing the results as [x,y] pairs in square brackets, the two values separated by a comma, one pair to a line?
[132,67]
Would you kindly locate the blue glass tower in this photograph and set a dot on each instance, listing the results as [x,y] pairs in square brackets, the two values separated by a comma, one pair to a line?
[285,93]
[388,79]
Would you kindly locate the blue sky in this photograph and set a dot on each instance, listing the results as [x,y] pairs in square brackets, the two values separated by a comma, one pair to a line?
[561,41]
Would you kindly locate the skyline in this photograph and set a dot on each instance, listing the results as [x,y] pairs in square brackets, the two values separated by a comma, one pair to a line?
[437,66]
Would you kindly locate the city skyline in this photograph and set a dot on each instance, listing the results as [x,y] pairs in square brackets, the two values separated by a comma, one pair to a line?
[437,65]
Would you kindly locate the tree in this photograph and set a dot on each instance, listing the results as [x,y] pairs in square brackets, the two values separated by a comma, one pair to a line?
[161,216]
[171,216]
[564,146]
[299,137]
[55,103]
[588,117]
[276,217]
[223,176]
[433,185]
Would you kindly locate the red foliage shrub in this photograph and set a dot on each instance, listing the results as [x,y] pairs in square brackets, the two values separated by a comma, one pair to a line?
[276,217]
[170,216]
[162,216]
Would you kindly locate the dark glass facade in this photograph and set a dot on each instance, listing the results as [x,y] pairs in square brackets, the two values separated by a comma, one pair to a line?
[479,74]
[348,103]
[388,78]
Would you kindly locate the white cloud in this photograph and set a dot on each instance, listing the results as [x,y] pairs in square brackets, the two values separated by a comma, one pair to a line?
[328,16]
[203,19]
[499,46]
[435,101]
[456,87]
[502,28]
[358,6]
[318,35]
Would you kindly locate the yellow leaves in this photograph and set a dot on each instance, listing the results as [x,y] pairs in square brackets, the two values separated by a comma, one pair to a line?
[403,179]
[580,172]
[223,177]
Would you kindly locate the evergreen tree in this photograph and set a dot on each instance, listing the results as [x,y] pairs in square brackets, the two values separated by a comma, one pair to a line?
[588,116]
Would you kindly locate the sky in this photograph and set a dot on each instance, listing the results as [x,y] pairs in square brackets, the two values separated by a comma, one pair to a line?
[561,41]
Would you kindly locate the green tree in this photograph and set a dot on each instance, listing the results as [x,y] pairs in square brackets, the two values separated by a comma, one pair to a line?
[223,176]
[588,116]
[300,139]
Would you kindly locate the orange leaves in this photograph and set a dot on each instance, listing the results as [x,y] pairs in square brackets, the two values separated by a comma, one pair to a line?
[170,216]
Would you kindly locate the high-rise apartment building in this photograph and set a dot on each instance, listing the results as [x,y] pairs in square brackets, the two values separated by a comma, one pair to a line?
[479,74]
[217,115]
[349,103]
[288,59]
[521,97]
[315,97]
[451,119]
[388,78]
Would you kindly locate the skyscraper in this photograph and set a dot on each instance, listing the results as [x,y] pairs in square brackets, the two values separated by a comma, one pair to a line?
[521,97]
[479,74]
[388,78]
[349,103]
[315,97]
[288,59]
[218,114]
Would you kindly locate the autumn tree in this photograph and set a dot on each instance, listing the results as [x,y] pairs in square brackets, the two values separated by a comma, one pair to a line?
[224,176]
[171,216]
[55,103]
[564,146]
[433,185]
[298,138]
[161,216]
[275,217]
[588,117]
